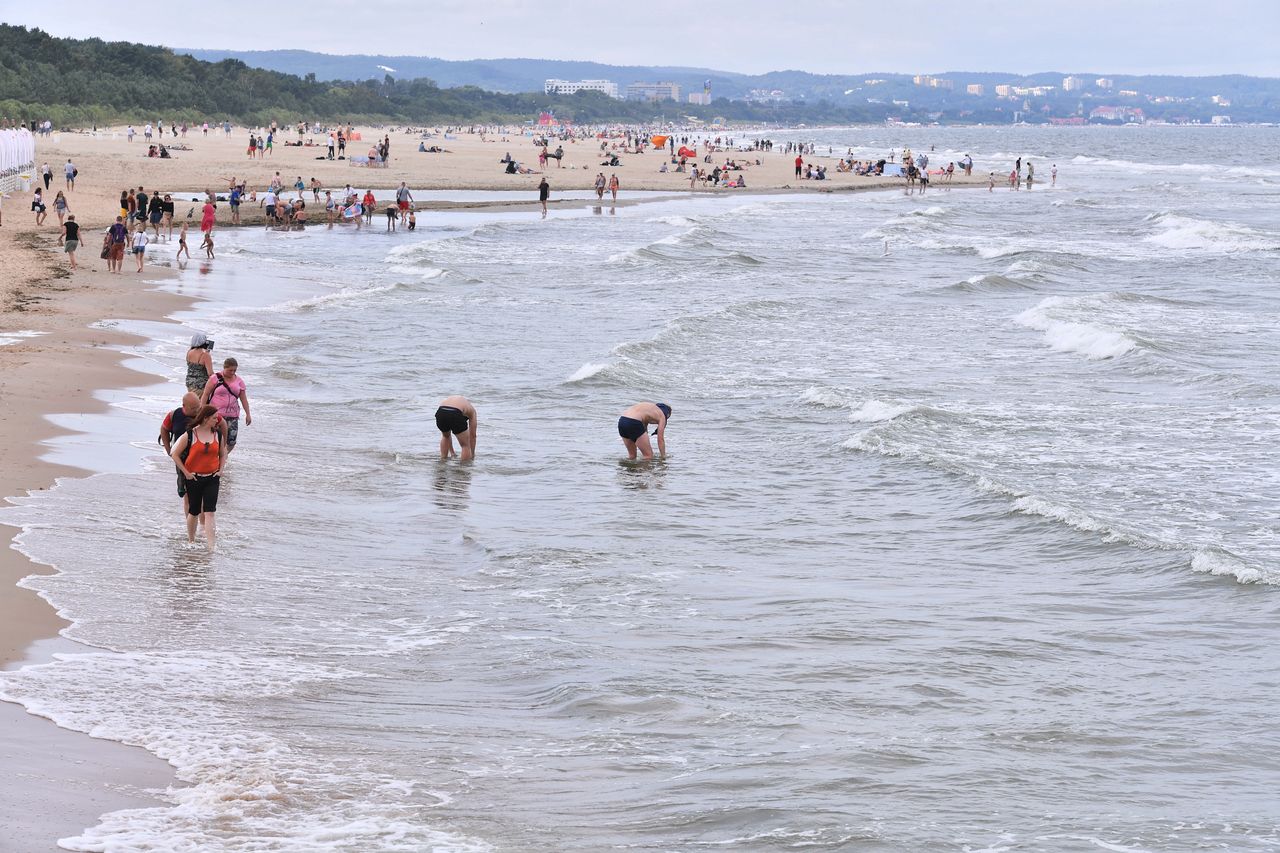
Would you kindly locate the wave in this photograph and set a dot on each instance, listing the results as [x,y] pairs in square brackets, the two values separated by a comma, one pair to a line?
[1093,341]
[345,296]
[886,439]
[588,371]
[1210,560]
[878,411]
[991,283]
[825,398]
[1187,233]
[1190,168]
[678,221]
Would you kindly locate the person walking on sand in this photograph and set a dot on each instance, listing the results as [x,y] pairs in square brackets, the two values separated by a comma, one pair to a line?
[799,165]
[199,362]
[140,244]
[47,174]
[70,238]
[117,237]
[61,208]
[633,427]
[69,171]
[199,455]
[456,416]
[544,193]
[227,393]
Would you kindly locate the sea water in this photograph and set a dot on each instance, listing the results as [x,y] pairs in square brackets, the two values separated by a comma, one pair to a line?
[967,546]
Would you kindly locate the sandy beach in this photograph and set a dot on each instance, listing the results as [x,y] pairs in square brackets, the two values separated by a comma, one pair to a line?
[60,780]
[65,780]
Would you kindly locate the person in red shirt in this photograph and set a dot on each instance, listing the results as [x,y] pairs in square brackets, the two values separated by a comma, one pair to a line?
[176,424]
[799,165]
[199,454]
[368,203]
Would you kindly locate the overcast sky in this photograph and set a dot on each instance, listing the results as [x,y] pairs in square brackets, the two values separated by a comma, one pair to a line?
[825,36]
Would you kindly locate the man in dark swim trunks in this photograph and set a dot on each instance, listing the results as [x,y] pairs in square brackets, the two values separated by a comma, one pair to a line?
[456,416]
[633,426]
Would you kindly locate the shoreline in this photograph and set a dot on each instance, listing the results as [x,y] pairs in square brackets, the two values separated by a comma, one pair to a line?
[62,781]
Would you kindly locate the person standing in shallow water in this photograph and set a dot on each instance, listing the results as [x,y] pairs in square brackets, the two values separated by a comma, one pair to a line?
[544,193]
[633,427]
[199,362]
[199,455]
[456,416]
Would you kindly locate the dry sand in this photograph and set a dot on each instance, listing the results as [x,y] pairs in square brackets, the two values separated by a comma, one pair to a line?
[59,781]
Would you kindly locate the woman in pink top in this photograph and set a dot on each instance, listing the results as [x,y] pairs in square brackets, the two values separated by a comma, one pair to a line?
[206,217]
[226,392]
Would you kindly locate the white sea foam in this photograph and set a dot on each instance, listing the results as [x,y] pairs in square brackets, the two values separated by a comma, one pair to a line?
[678,221]
[9,338]
[1188,233]
[328,300]
[827,398]
[878,411]
[1064,334]
[1185,168]
[588,370]
[1217,562]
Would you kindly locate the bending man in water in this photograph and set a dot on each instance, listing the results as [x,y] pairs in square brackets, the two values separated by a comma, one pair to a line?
[456,416]
[633,426]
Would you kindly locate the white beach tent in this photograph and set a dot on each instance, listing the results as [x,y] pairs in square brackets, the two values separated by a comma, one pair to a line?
[17,157]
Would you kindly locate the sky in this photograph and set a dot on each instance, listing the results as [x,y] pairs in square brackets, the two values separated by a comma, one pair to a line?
[751,36]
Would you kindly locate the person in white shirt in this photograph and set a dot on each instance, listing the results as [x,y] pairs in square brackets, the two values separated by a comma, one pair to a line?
[140,245]
[269,201]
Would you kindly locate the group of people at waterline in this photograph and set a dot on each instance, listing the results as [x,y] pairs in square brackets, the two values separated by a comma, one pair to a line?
[202,432]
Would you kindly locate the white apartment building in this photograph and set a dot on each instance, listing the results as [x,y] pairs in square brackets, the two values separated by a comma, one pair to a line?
[570,87]
[1105,83]
[1074,84]
[976,89]
[653,92]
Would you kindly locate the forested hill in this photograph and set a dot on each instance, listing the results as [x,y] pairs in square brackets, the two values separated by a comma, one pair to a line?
[78,82]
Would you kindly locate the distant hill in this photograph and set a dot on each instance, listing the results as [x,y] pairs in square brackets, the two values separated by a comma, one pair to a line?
[497,75]
[528,75]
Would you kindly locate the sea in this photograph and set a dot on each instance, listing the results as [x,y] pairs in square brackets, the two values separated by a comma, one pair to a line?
[966,540]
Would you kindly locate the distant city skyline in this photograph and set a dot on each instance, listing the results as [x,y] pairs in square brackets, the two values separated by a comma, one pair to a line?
[749,36]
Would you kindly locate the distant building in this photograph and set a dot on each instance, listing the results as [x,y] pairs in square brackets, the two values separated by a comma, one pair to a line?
[873,82]
[976,89]
[700,98]
[653,92]
[1220,120]
[1129,93]
[1221,101]
[1074,84]
[1004,90]
[933,82]
[1125,115]
[1105,83]
[570,87]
